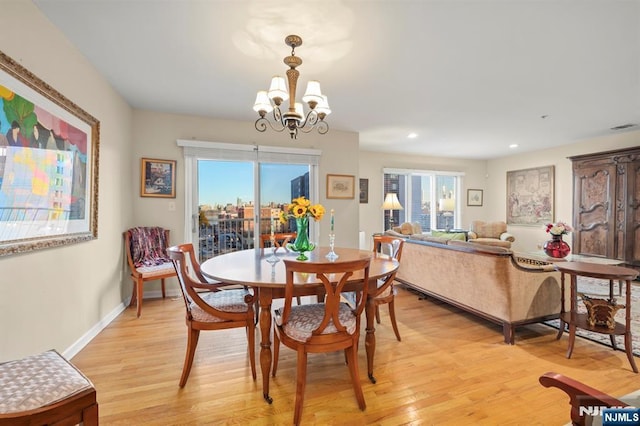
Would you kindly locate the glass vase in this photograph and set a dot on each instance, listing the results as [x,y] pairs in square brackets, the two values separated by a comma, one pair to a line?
[556,247]
[302,243]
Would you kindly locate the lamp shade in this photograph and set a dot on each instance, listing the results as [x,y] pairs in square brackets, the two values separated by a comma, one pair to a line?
[391,202]
[262,102]
[278,88]
[447,204]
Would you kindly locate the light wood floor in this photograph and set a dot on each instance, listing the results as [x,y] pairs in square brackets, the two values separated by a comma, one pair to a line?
[449,369]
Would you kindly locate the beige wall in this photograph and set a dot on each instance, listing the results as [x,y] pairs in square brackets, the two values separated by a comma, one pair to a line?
[52,298]
[529,238]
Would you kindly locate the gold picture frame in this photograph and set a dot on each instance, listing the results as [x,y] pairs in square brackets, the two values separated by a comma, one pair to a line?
[50,149]
[341,186]
[157,178]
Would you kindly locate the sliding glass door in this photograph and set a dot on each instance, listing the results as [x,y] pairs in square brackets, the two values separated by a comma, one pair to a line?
[233,191]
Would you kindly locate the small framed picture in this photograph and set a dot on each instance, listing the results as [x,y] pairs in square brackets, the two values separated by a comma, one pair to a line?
[474,197]
[341,186]
[364,191]
[158,178]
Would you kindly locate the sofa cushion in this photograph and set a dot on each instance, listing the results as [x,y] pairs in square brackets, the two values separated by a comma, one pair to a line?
[491,242]
[428,237]
[450,235]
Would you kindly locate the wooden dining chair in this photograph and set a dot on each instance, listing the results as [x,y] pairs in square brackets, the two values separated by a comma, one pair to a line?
[385,293]
[281,239]
[209,306]
[321,327]
[145,250]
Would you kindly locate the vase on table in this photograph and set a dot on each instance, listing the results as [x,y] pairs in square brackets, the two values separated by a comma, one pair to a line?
[556,247]
[302,243]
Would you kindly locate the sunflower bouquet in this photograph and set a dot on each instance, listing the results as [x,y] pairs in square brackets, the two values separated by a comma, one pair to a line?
[300,208]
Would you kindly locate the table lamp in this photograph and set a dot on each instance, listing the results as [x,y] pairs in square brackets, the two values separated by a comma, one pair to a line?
[447,206]
[391,203]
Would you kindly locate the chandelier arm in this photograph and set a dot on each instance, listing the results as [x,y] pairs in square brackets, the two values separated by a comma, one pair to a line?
[310,122]
[261,125]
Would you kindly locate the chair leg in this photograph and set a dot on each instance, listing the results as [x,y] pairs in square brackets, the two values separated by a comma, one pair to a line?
[301,382]
[163,289]
[251,337]
[378,314]
[392,315]
[276,352]
[139,293]
[298,299]
[355,376]
[192,342]
[133,293]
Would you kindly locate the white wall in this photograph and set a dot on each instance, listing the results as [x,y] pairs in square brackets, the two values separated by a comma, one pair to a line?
[528,238]
[51,298]
[372,164]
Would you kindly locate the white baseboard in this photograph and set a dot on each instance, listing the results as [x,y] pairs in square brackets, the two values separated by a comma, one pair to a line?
[83,341]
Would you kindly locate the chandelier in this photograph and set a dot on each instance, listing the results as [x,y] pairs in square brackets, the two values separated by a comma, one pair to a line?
[294,119]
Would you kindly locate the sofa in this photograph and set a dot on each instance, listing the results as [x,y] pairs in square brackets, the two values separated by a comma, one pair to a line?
[490,233]
[491,282]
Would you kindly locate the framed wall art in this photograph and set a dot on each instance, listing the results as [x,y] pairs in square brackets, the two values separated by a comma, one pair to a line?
[158,178]
[48,165]
[474,197]
[341,186]
[364,191]
[530,196]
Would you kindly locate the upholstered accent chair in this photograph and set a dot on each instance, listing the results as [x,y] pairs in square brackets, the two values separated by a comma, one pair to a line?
[146,252]
[46,389]
[385,293]
[210,306]
[490,233]
[321,327]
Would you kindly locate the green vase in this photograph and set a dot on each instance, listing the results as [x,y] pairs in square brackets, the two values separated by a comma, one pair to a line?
[302,243]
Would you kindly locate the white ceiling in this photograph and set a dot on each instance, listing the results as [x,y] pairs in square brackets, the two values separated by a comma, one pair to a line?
[469,77]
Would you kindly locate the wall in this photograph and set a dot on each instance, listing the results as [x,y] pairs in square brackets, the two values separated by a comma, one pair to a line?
[55,297]
[529,238]
[372,164]
[155,135]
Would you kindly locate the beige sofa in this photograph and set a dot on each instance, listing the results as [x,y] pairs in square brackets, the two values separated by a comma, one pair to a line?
[491,282]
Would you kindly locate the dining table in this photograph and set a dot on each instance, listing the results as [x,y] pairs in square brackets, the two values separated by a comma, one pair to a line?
[264,270]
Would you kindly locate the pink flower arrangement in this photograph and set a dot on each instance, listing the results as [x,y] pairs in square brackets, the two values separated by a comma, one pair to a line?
[558,228]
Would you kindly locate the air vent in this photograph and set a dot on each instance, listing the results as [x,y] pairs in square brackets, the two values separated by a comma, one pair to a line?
[624,126]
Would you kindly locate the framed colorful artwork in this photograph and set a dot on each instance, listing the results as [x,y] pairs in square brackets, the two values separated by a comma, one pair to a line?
[158,178]
[48,165]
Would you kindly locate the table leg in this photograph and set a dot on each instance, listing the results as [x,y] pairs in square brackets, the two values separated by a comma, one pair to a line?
[370,338]
[573,313]
[627,334]
[562,323]
[266,296]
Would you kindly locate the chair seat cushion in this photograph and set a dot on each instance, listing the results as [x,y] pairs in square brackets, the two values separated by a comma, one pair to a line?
[37,381]
[225,300]
[155,270]
[303,319]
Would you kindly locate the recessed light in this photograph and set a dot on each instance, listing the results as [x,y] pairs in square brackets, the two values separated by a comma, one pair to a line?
[513,145]
[412,135]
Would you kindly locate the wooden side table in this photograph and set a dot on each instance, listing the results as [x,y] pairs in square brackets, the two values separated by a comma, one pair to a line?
[574,319]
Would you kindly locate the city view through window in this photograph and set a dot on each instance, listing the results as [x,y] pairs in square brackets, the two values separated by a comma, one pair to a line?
[226,203]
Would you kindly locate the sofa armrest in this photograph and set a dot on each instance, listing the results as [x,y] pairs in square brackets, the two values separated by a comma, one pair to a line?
[394,233]
[471,235]
[505,236]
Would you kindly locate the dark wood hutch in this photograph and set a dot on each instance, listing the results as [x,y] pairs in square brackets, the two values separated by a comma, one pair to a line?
[606,205]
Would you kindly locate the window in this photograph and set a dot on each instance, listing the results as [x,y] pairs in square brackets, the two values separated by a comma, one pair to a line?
[430,198]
